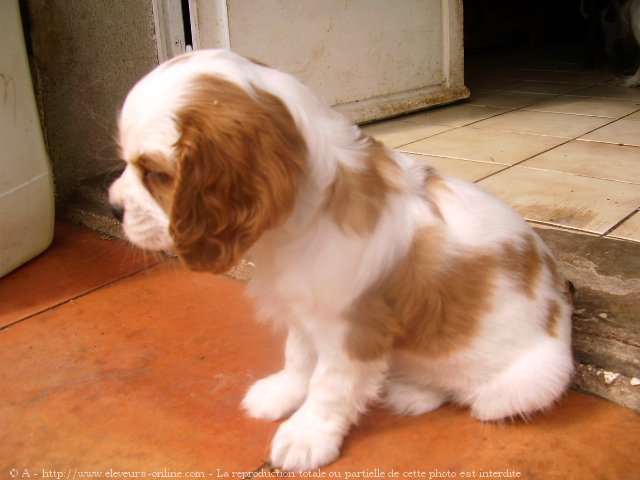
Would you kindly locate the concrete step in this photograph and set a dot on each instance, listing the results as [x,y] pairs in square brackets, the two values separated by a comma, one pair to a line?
[89,205]
[606,320]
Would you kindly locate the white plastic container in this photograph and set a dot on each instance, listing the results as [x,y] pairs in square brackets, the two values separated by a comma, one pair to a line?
[26,185]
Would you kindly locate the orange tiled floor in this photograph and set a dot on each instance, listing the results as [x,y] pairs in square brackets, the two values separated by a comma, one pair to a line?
[112,361]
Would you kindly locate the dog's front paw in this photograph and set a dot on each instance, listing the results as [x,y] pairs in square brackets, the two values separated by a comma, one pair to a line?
[304,444]
[276,396]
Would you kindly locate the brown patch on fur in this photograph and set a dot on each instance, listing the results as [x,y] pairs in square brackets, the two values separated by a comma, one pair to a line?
[524,263]
[240,157]
[553,312]
[357,198]
[156,178]
[374,326]
[564,287]
[428,304]
[550,263]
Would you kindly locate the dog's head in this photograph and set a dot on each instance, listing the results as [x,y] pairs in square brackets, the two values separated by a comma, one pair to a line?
[212,160]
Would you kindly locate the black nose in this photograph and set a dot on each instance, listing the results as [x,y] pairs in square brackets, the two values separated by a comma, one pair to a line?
[117,211]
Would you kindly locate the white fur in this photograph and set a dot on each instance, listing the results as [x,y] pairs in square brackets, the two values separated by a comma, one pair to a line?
[309,272]
[145,223]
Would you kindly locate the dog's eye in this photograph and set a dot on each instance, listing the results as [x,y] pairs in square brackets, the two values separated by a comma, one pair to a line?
[150,177]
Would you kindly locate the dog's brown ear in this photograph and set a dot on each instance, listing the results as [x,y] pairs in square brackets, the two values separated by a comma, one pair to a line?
[239,158]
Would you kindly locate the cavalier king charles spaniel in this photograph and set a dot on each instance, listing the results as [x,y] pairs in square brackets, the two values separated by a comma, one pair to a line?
[396,282]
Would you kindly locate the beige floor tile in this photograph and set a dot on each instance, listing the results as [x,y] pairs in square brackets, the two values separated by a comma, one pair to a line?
[541,87]
[597,107]
[590,78]
[569,75]
[464,169]
[633,116]
[454,115]
[395,133]
[629,230]
[474,82]
[558,66]
[607,91]
[543,123]
[498,98]
[592,159]
[539,75]
[626,132]
[498,70]
[546,226]
[589,204]
[469,143]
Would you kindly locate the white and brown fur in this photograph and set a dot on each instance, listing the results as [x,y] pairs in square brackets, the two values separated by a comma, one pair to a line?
[396,282]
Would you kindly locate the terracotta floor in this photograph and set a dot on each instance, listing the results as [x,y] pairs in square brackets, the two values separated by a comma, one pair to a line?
[113,361]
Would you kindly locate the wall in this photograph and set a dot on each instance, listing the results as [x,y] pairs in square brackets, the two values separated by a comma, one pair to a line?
[85,56]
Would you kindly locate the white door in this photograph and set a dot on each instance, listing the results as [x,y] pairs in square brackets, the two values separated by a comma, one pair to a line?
[369,58]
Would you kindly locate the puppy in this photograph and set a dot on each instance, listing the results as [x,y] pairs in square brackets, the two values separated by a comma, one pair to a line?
[396,282]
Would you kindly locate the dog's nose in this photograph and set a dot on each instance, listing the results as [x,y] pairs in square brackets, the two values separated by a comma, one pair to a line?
[117,211]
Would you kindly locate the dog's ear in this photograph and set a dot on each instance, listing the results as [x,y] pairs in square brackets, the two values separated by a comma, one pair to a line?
[239,160]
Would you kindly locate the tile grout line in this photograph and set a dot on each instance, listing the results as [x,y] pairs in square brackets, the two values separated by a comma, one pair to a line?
[76,297]
[526,159]
[570,139]
[573,174]
[517,109]
[519,163]
[564,228]
[621,222]
[453,127]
